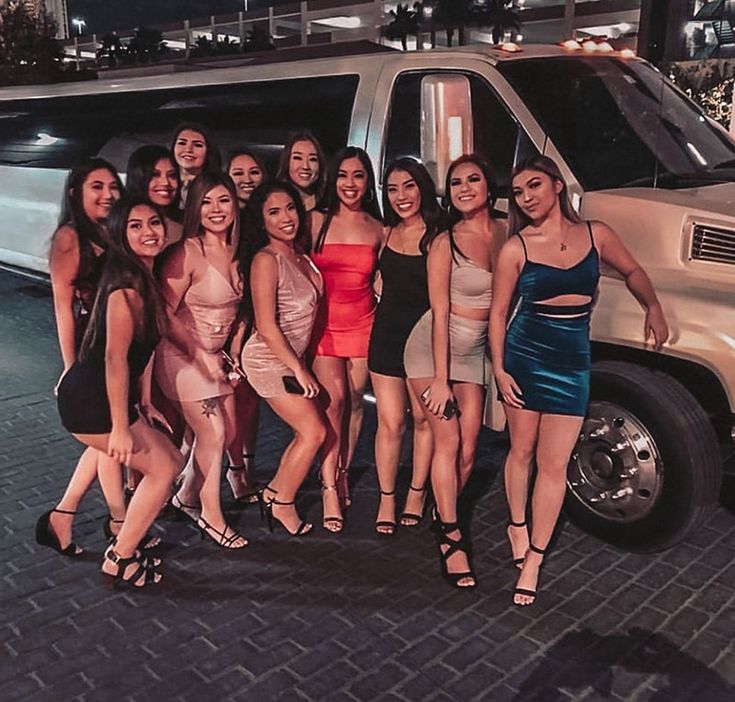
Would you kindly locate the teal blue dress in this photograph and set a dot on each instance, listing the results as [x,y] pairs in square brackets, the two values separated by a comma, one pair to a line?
[549,355]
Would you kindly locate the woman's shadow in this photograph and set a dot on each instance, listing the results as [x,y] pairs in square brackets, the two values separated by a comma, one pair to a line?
[583,660]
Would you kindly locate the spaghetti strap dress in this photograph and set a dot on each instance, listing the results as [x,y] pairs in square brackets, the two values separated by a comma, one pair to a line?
[404,300]
[84,407]
[547,353]
[207,310]
[346,315]
[470,285]
[297,300]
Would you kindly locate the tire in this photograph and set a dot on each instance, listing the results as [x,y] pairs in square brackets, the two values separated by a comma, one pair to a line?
[647,467]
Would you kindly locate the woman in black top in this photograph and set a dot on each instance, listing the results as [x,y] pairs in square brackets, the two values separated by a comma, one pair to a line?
[98,395]
[410,207]
[76,261]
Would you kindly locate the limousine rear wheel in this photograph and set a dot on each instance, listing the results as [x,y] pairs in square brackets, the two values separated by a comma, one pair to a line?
[646,468]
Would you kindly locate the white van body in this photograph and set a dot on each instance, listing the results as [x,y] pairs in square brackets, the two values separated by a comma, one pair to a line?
[636,154]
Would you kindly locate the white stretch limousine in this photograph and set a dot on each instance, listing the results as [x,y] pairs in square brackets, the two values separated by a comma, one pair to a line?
[636,152]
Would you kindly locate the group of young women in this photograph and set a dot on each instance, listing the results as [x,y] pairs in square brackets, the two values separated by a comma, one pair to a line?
[298,291]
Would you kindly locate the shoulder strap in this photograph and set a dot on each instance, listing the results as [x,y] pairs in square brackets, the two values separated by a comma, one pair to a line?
[592,238]
[523,244]
[387,239]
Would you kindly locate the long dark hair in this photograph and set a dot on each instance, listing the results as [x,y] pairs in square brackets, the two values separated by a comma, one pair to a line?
[369,202]
[317,187]
[453,214]
[430,211]
[517,220]
[200,186]
[246,152]
[89,233]
[213,159]
[255,237]
[123,269]
[141,166]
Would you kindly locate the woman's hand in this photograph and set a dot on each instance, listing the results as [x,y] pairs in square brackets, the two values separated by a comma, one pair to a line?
[120,444]
[307,381]
[436,396]
[154,417]
[656,326]
[212,365]
[509,390]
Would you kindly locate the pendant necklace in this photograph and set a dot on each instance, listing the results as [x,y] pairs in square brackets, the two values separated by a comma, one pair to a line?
[563,242]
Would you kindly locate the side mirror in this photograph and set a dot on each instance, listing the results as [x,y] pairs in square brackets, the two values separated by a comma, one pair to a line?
[446,123]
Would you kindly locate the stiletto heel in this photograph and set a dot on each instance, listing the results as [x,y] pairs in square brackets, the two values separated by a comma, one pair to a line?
[526,591]
[409,519]
[388,524]
[262,502]
[332,524]
[516,525]
[221,538]
[184,511]
[302,530]
[46,536]
[453,546]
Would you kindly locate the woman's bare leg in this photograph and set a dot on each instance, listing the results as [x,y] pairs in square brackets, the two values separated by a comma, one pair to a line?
[423,447]
[310,431]
[471,400]
[557,436]
[523,426]
[332,376]
[357,377]
[247,411]
[391,398]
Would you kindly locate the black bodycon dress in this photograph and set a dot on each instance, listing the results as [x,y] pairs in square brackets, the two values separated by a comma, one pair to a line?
[404,300]
[82,399]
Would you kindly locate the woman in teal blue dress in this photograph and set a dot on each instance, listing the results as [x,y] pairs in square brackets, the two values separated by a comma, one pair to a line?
[550,269]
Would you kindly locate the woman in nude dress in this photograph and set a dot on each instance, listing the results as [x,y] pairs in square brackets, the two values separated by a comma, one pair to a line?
[202,287]
[286,288]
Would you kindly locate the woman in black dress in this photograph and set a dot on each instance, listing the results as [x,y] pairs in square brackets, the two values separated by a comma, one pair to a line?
[98,396]
[411,209]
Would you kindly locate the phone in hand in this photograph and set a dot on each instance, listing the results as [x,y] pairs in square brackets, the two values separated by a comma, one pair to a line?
[451,409]
[292,386]
[234,372]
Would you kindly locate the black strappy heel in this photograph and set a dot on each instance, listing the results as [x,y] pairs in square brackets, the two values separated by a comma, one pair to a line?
[517,525]
[525,591]
[266,510]
[332,524]
[250,495]
[414,519]
[453,546]
[145,570]
[146,543]
[390,525]
[46,536]
[220,537]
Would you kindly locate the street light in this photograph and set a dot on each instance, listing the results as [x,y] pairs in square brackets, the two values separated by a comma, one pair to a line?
[78,22]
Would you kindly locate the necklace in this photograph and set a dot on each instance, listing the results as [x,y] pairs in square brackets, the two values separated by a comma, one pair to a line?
[563,242]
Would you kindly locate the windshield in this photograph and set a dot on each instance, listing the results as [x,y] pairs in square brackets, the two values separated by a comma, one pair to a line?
[618,123]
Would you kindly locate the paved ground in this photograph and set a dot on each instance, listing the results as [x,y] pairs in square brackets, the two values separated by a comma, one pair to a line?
[331,618]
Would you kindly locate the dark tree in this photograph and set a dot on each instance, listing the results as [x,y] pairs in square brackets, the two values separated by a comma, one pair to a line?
[453,15]
[404,22]
[499,15]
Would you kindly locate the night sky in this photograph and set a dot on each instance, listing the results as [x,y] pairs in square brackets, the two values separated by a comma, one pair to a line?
[107,15]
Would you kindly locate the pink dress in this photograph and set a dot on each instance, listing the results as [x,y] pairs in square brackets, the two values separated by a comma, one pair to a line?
[297,300]
[207,310]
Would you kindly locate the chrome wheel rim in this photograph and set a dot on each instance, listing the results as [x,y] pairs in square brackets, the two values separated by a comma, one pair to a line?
[615,470]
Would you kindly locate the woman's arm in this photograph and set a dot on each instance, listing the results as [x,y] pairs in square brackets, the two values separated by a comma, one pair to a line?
[613,252]
[505,277]
[263,288]
[123,306]
[439,270]
[64,266]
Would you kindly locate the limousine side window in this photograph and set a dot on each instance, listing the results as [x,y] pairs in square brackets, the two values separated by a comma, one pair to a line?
[57,132]
[497,135]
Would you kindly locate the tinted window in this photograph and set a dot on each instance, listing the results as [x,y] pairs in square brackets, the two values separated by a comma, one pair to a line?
[56,132]
[497,135]
[619,123]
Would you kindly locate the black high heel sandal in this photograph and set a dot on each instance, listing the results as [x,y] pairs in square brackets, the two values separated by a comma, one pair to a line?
[184,511]
[266,507]
[145,570]
[332,524]
[389,524]
[146,543]
[517,525]
[46,536]
[453,546]
[525,591]
[221,538]
[414,519]
[250,496]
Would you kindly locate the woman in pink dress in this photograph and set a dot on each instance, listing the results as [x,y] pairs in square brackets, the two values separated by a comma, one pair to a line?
[346,242]
[202,286]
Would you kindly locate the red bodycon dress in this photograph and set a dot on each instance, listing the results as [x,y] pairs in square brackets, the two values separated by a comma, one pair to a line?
[346,319]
